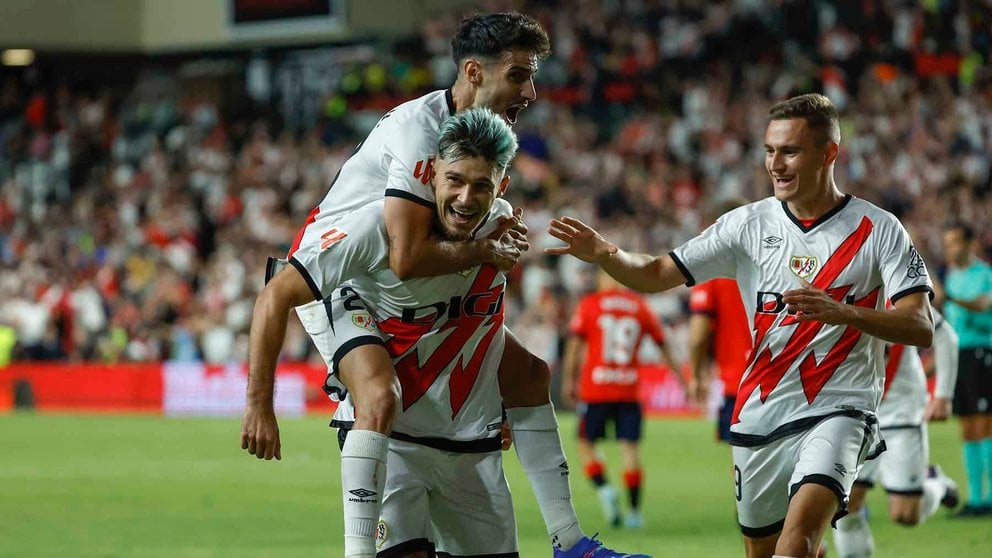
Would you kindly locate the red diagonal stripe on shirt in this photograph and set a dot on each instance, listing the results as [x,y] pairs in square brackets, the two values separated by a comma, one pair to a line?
[766,371]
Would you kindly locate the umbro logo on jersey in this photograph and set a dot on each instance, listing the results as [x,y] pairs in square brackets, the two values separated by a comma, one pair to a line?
[803,266]
[840,468]
[330,237]
[771,241]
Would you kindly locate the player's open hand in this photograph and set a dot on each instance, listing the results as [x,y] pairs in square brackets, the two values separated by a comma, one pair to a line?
[810,303]
[938,410]
[515,227]
[260,432]
[582,241]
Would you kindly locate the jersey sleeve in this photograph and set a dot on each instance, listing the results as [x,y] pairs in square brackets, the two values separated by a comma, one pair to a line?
[500,208]
[902,267]
[349,247]
[702,299]
[409,151]
[714,252]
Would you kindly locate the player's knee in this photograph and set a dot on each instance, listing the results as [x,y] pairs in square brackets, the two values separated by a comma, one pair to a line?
[379,403]
[905,517]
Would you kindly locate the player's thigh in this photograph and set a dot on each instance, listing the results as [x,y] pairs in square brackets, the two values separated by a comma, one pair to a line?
[830,454]
[629,421]
[761,486]
[903,465]
[404,521]
[592,420]
[856,500]
[524,379]
[347,338]
[471,508]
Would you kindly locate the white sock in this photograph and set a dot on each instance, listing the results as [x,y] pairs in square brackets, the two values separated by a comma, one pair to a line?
[853,537]
[933,492]
[363,479]
[538,446]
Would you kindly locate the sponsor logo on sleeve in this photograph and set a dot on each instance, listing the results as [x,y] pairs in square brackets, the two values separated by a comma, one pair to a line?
[330,237]
[916,268]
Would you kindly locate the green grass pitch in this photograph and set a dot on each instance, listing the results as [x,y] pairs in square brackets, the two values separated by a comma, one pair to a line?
[138,486]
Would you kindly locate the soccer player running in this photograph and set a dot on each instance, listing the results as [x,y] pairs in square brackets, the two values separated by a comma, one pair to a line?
[968,290]
[814,267]
[916,490]
[606,336]
[497,56]
[718,331]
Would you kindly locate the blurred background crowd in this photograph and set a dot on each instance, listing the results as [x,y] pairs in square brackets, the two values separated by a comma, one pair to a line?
[139,201]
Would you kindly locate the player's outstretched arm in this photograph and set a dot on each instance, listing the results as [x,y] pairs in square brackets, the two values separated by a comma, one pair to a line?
[700,330]
[909,322]
[415,252]
[641,272]
[945,356]
[259,429]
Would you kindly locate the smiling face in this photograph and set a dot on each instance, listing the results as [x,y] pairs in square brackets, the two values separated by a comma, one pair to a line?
[798,167]
[465,191]
[506,84]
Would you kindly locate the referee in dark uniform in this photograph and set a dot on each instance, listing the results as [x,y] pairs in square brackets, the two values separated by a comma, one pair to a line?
[968,309]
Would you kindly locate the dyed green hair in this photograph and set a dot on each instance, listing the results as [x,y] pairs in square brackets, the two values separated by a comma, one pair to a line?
[477,132]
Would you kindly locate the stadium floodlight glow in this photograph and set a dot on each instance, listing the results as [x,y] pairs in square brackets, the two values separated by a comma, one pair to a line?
[17,57]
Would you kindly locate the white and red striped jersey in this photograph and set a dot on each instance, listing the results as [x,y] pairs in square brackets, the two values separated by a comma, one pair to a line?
[800,372]
[396,159]
[905,397]
[445,333]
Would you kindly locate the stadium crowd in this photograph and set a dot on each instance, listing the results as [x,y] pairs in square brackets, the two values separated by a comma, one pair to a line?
[135,224]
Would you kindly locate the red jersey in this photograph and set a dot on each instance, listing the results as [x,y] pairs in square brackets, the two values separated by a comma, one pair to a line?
[613,323]
[720,300]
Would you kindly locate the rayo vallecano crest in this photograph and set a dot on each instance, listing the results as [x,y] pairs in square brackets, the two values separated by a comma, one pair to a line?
[803,266]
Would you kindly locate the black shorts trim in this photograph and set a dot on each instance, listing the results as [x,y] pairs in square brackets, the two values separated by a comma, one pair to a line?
[689,279]
[482,445]
[404,548]
[396,193]
[833,485]
[273,266]
[317,295]
[762,532]
[915,492]
[505,555]
[349,345]
[902,427]
[911,290]
[794,427]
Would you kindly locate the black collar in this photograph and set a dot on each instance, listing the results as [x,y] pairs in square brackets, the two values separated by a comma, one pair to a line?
[819,220]
[450,100]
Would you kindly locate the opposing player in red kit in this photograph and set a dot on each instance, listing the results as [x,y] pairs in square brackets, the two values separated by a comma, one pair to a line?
[601,371]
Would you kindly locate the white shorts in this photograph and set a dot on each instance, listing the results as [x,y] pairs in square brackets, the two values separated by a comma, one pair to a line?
[337,325]
[460,502]
[903,467]
[829,453]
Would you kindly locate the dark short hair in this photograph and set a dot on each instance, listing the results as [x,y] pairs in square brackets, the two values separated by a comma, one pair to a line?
[816,109]
[490,35]
[967,232]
